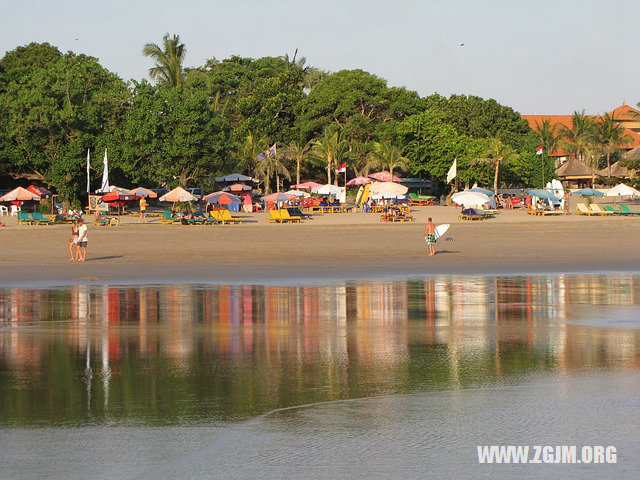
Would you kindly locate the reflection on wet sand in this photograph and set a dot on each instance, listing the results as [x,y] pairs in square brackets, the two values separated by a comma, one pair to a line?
[180,353]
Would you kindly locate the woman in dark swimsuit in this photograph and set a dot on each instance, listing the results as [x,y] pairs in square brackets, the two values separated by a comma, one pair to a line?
[73,242]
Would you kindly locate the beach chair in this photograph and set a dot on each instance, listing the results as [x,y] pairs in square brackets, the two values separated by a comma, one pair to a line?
[612,209]
[471,214]
[168,219]
[598,210]
[224,216]
[102,221]
[24,218]
[296,212]
[40,219]
[584,210]
[275,216]
[489,212]
[286,217]
[626,210]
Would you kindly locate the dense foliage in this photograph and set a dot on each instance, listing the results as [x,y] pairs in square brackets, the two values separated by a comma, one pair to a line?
[197,123]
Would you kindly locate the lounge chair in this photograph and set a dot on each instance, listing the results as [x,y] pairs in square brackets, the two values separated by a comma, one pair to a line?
[596,208]
[169,219]
[584,210]
[296,212]
[102,221]
[471,214]
[615,211]
[24,218]
[489,212]
[224,216]
[275,216]
[286,217]
[40,219]
[625,209]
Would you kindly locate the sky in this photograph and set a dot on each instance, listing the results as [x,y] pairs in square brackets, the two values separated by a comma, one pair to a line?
[544,57]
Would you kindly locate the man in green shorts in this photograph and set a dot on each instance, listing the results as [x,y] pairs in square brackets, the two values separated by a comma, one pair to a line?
[430,236]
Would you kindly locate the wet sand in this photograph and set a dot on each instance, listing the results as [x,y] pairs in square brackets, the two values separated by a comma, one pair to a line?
[327,247]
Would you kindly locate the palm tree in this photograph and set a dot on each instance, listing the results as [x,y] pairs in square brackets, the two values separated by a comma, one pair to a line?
[496,154]
[579,138]
[330,148]
[297,152]
[168,58]
[549,137]
[609,134]
[386,156]
[248,151]
[269,166]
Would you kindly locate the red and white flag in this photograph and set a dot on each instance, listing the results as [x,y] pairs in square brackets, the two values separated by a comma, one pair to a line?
[342,168]
[539,150]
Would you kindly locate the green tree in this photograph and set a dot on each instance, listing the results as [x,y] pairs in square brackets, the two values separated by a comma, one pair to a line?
[169,59]
[299,153]
[579,139]
[271,166]
[609,135]
[386,156]
[497,154]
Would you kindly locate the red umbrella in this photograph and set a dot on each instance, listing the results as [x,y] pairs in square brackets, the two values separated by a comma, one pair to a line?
[306,186]
[118,196]
[358,181]
[39,191]
[384,176]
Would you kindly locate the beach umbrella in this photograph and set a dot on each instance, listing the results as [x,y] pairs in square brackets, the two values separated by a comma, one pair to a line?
[235,178]
[359,180]
[384,176]
[39,191]
[306,186]
[178,194]
[222,198]
[20,195]
[297,193]
[488,193]
[388,187]
[277,198]
[588,192]
[470,199]
[546,194]
[622,190]
[237,187]
[144,192]
[118,196]
[327,189]
[387,195]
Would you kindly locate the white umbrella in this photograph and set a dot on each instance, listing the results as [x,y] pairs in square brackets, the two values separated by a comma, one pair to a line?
[470,199]
[387,187]
[622,190]
[327,189]
[387,195]
[298,193]
[178,194]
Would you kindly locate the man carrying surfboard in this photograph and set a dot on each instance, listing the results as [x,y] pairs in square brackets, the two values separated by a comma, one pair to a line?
[430,236]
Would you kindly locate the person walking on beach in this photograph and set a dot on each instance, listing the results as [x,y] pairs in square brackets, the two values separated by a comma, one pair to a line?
[73,242]
[143,210]
[430,236]
[82,241]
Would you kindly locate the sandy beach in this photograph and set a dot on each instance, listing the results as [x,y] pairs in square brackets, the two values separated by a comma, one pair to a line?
[332,246]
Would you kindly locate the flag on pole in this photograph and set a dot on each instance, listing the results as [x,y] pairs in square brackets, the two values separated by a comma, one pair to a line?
[453,171]
[342,168]
[270,152]
[104,188]
[88,168]
[539,150]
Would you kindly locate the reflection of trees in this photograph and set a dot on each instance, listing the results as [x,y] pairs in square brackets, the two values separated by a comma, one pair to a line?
[168,353]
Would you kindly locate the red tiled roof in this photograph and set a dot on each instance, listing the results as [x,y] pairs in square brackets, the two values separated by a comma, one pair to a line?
[625,113]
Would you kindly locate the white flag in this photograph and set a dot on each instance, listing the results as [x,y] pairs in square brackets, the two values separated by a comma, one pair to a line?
[105,174]
[453,171]
[88,177]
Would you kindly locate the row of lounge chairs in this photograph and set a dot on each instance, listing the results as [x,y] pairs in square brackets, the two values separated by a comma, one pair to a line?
[222,216]
[287,215]
[595,210]
[36,218]
[533,210]
[421,200]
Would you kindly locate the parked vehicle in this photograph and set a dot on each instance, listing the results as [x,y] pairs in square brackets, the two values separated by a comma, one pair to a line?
[196,192]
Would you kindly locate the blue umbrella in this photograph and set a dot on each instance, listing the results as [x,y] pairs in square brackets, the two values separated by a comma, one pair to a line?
[483,190]
[588,192]
[544,194]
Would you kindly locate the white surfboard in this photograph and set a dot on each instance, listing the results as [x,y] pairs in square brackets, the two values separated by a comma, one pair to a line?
[441,230]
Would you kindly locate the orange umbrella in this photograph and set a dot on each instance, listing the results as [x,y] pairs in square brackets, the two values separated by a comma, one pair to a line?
[144,192]
[178,194]
[20,194]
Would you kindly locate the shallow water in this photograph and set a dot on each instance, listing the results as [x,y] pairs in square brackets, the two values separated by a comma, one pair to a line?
[245,381]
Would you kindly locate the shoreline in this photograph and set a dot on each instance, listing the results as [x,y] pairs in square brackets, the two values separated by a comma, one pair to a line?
[325,249]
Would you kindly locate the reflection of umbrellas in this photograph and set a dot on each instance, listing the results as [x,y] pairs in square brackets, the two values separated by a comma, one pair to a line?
[384,176]
[622,190]
[588,192]
[178,194]
[277,198]
[306,186]
[222,198]
[19,194]
[237,187]
[488,193]
[359,180]
[144,192]
[470,199]
[388,187]
[327,189]
[544,194]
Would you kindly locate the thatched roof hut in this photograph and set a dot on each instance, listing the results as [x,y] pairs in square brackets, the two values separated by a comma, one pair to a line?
[617,170]
[574,169]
